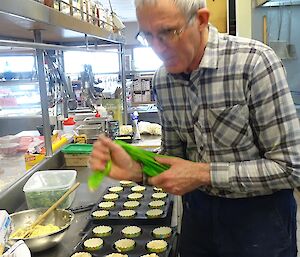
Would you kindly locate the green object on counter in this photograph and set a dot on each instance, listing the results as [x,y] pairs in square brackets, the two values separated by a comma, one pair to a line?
[150,166]
[77,149]
[95,180]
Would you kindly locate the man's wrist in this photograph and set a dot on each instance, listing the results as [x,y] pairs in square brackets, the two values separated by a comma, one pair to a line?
[204,176]
[136,169]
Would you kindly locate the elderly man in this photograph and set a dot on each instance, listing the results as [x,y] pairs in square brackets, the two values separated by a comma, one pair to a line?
[228,117]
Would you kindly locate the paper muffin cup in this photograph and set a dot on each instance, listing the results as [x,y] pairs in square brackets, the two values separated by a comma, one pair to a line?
[101,214]
[111,197]
[157,204]
[131,204]
[116,189]
[126,214]
[159,195]
[162,232]
[131,231]
[158,189]
[81,254]
[106,205]
[150,255]
[157,246]
[135,196]
[102,231]
[138,189]
[116,255]
[126,183]
[154,213]
[93,244]
[124,245]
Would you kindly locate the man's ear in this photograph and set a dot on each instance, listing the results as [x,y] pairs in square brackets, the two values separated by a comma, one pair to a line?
[202,16]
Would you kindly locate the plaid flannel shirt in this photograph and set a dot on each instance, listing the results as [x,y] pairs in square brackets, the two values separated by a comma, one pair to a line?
[235,112]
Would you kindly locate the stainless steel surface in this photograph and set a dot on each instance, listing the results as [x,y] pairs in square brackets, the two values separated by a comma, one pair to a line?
[94,120]
[13,200]
[123,76]
[91,131]
[19,16]
[60,218]
[83,197]
[15,124]
[277,3]
[43,93]
[24,44]
[16,193]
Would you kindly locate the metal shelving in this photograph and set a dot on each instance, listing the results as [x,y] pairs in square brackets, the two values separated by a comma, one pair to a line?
[29,24]
[22,17]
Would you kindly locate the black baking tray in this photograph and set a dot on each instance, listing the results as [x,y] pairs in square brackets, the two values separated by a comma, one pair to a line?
[141,241]
[140,217]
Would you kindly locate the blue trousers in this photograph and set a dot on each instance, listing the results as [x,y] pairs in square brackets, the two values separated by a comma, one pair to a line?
[263,226]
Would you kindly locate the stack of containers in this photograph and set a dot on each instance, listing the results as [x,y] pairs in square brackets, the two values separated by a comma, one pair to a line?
[12,161]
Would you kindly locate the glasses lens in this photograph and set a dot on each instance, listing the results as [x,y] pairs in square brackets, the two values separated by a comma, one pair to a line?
[142,39]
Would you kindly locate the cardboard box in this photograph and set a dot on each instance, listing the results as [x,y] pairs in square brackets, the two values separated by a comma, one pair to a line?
[5,228]
[32,159]
[76,160]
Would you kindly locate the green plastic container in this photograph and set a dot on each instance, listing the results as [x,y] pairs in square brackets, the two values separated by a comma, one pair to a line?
[78,149]
[77,155]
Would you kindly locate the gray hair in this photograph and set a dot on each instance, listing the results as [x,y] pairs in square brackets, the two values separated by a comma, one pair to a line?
[188,7]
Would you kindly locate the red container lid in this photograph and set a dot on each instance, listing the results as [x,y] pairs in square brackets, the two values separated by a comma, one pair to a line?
[69,121]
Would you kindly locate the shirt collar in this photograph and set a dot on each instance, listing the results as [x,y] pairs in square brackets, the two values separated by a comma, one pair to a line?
[210,57]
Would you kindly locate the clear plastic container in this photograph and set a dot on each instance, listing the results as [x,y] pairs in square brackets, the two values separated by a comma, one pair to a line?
[44,188]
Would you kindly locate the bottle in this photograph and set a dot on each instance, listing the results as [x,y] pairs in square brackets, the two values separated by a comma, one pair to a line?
[135,126]
[69,125]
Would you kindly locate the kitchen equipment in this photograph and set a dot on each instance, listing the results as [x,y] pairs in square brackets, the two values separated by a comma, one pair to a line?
[77,155]
[45,187]
[61,218]
[91,131]
[95,120]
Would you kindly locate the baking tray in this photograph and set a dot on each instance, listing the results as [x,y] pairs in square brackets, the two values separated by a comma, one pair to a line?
[141,241]
[140,217]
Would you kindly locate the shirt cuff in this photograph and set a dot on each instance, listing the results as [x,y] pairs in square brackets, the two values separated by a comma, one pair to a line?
[219,174]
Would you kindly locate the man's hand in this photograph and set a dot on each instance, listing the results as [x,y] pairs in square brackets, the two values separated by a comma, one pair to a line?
[123,167]
[183,176]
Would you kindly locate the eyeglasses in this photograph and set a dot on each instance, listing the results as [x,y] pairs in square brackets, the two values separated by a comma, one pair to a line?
[165,36]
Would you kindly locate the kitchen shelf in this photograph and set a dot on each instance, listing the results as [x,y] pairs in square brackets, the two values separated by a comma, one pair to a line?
[24,16]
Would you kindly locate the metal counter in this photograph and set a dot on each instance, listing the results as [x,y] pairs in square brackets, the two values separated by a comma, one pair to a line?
[13,200]
[83,197]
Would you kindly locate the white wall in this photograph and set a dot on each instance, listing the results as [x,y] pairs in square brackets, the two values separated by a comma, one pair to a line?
[244,18]
[130,32]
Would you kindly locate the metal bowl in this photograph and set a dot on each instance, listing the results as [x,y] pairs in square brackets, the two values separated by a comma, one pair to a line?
[61,218]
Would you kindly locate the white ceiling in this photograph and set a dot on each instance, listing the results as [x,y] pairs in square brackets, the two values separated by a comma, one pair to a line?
[123,8]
